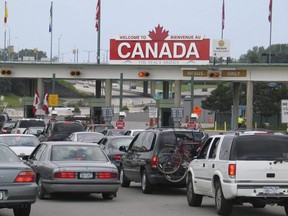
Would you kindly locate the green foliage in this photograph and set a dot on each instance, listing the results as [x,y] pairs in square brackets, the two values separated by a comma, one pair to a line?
[125,107]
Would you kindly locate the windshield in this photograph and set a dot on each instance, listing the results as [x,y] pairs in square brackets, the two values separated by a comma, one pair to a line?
[31,123]
[89,137]
[30,141]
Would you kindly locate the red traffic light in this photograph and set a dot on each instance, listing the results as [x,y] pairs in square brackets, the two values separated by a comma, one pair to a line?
[143,74]
[214,74]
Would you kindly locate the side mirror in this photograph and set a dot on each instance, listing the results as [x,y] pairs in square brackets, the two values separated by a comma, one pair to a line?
[123,149]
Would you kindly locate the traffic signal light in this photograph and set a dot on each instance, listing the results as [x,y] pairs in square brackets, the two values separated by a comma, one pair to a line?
[214,74]
[6,72]
[75,73]
[143,74]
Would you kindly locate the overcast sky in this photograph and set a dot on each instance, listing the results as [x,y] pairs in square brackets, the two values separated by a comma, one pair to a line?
[246,23]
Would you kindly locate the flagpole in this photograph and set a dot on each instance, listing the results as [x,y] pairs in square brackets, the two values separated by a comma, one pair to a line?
[223,20]
[5,28]
[51,26]
[98,33]
[270,19]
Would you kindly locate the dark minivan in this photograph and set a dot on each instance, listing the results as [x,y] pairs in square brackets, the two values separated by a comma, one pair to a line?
[60,130]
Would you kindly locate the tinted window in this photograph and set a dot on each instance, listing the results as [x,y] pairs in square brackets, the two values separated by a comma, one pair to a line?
[31,123]
[261,147]
[67,127]
[116,143]
[204,150]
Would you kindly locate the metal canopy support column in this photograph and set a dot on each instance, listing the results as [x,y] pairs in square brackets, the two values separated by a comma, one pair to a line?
[108,92]
[236,96]
[177,99]
[98,88]
[145,87]
[249,105]
[153,87]
[40,88]
[165,89]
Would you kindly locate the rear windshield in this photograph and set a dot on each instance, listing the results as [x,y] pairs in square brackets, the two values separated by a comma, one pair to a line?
[77,153]
[68,127]
[31,123]
[6,155]
[19,140]
[261,147]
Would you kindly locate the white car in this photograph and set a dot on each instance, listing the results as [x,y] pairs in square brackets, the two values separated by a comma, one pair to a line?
[21,144]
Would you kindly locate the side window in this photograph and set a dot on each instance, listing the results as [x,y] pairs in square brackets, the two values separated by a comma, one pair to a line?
[36,155]
[213,149]
[226,148]
[204,150]
[147,141]
[138,142]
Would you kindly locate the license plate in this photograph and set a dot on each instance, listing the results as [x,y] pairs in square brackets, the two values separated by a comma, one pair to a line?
[271,190]
[85,175]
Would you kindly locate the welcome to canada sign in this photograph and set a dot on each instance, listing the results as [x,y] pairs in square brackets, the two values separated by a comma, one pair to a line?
[158,47]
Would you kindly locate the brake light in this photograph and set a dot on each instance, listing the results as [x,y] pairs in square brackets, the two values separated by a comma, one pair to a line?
[117,157]
[24,177]
[154,162]
[65,175]
[107,175]
[232,170]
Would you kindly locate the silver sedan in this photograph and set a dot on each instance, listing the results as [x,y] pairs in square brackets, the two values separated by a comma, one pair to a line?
[18,189]
[73,167]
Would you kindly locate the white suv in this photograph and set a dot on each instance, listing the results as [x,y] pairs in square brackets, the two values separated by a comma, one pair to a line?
[24,123]
[237,169]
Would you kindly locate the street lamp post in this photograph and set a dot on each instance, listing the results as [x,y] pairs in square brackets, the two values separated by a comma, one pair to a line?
[89,51]
[59,47]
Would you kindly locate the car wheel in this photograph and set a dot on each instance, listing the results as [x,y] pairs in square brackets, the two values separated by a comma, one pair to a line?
[108,196]
[192,198]
[147,188]
[223,206]
[286,209]
[124,181]
[258,205]
[22,211]
[40,190]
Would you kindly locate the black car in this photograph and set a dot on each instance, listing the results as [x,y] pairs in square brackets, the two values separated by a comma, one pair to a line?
[139,162]
[60,130]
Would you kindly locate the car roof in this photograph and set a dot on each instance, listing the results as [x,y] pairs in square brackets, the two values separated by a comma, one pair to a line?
[52,143]
[19,135]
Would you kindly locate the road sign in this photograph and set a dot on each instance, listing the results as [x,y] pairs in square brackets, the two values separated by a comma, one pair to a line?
[107,112]
[153,112]
[177,113]
[53,100]
[192,125]
[197,110]
[120,124]
[284,111]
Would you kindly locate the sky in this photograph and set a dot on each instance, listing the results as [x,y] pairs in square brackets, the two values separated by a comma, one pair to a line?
[246,23]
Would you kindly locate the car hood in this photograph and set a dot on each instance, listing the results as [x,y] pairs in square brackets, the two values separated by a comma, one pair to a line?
[22,150]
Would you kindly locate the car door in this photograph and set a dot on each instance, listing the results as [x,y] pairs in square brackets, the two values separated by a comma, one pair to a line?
[199,167]
[34,160]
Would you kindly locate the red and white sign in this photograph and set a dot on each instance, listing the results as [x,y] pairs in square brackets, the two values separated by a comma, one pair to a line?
[120,124]
[159,48]
[192,125]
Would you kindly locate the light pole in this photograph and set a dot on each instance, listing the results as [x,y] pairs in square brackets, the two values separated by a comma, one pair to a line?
[89,51]
[59,47]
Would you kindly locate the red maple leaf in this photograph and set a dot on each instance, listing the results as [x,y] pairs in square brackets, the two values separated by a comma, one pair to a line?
[158,34]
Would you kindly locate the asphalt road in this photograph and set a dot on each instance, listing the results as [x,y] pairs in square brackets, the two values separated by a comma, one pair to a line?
[132,202]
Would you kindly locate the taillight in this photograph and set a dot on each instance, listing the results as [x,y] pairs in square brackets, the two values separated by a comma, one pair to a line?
[65,175]
[232,170]
[50,138]
[24,177]
[154,162]
[117,157]
[107,175]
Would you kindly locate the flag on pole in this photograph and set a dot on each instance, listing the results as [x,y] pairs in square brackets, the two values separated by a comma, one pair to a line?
[36,103]
[51,16]
[223,15]
[270,11]
[6,13]
[45,102]
[97,15]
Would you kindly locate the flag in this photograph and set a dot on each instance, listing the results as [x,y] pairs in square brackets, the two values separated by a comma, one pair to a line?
[97,15]
[45,103]
[270,11]
[223,15]
[6,13]
[51,16]
[36,103]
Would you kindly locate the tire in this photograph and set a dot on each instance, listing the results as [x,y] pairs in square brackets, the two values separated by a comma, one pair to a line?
[40,190]
[286,210]
[124,181]
[193,199]
[147,188]
[168,160]
[222,205]
[258,205]
[177,176]
[108,196]
[22,211]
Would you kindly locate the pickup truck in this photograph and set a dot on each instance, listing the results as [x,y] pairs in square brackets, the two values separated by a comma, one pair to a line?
[238,169]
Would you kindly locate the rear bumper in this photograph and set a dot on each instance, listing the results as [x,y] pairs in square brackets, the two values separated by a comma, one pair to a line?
[155,177]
